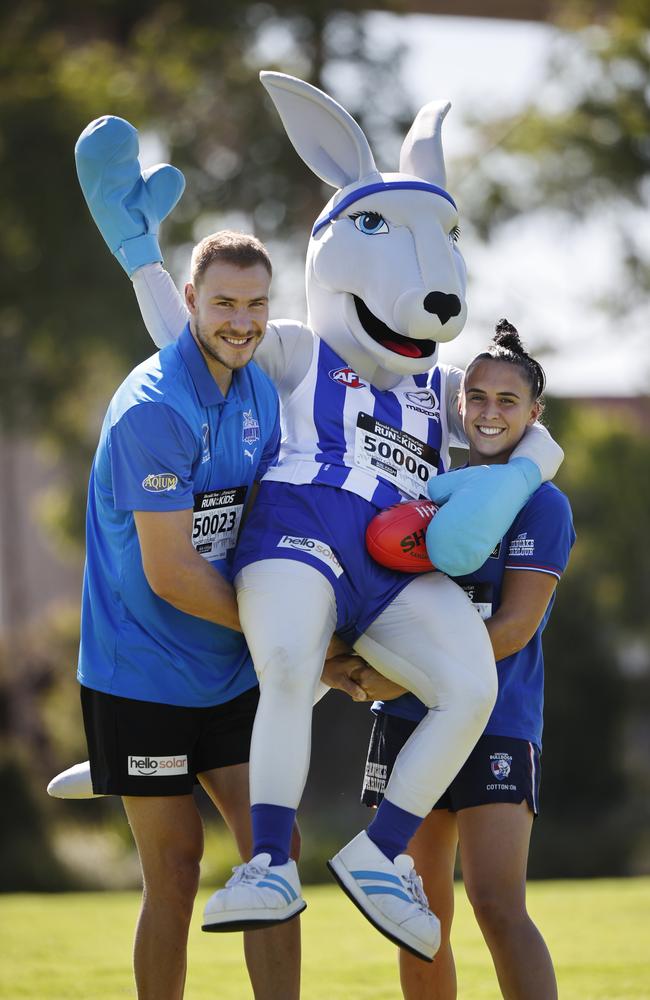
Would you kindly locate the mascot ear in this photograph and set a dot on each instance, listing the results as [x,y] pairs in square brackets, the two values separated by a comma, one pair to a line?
[323,133]
[421,154]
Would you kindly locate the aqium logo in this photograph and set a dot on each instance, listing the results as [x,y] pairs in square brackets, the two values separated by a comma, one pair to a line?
[160,482]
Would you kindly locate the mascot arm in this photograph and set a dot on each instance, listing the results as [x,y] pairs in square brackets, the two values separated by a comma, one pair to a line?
[538,446]
[285,354]
[453,383]
[161,305]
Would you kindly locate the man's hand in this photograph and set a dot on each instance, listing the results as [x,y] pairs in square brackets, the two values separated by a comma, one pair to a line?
[337,673]
[375,686]
[347,672]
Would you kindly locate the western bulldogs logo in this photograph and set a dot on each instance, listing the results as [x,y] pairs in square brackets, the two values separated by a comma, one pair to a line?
[251,428]
[347,377]
[500,764]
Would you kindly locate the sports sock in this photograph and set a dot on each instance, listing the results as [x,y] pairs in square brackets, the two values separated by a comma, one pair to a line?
[272,828]
[392,828]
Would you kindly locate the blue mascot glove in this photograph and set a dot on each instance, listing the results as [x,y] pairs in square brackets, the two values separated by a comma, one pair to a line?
[127,204]
[478,506]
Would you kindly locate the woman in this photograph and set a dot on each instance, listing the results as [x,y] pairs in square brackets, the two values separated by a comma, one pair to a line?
[489,808]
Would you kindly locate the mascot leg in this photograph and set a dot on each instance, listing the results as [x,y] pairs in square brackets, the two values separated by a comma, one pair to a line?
[288,614]
[431,641]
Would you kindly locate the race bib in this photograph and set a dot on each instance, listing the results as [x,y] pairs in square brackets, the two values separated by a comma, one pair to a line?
[480,594]
[216,521]
[386,451]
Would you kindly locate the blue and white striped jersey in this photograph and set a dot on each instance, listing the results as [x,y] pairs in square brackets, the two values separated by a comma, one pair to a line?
[338,430]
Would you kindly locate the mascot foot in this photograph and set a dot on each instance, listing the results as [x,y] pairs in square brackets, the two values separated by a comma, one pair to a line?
[75,783]
[258,895]
[389,894]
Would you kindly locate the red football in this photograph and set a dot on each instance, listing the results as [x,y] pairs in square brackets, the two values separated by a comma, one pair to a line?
[396,538]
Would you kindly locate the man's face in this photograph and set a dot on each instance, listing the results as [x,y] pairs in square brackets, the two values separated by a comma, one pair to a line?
[229,310]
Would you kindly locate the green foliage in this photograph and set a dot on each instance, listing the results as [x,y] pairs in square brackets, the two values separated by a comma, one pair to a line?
[584,147]
[601,609]
[186,74]
[27,861]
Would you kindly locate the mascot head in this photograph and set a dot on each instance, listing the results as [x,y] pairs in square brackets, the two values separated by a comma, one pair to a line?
[385,279]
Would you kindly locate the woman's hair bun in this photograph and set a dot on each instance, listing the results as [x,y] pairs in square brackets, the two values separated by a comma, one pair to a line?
[507,336]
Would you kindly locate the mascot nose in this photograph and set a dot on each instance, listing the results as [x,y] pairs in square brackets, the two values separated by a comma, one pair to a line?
[442,305]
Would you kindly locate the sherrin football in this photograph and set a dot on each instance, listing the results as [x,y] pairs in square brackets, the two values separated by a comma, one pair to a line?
[396,537]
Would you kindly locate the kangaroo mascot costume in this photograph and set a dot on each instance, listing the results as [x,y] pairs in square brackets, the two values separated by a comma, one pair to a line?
[368,416]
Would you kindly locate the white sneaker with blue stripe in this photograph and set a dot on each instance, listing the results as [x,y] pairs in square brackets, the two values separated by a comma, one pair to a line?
[259,894]
[389,894]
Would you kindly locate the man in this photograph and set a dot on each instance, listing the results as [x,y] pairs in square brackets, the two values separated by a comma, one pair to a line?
[168,687]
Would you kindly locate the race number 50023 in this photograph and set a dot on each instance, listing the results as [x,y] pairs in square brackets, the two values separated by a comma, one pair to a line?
[216,520]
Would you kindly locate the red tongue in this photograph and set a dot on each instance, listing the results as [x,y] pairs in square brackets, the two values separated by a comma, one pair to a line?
[407,348]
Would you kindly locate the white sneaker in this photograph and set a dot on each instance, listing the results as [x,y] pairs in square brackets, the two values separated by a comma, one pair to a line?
[259,894]
[389,894]
[75,783]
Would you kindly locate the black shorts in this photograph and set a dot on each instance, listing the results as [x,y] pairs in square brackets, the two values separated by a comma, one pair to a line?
[145,748]
[499,768]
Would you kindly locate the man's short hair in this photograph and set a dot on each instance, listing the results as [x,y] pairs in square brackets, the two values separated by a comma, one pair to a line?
[239,249]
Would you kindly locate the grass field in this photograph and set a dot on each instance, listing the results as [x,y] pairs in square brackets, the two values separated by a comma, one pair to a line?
[78,945]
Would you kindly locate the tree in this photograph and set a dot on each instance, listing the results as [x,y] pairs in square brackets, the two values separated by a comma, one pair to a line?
[595,792]
[585,147]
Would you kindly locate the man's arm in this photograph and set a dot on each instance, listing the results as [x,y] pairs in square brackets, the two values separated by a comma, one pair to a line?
[178,574]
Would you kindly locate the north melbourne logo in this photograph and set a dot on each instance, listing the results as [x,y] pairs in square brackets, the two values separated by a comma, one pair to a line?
[156,767]
[251,428]
[160,482]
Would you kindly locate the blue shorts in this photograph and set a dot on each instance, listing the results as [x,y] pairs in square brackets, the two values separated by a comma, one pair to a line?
[324,527]
[499,768]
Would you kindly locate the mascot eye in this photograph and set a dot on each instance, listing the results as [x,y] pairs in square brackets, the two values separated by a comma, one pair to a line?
[370,223]
[454,234]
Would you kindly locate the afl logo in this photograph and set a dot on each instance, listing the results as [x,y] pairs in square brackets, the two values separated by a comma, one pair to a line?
[160,482]
[347,377]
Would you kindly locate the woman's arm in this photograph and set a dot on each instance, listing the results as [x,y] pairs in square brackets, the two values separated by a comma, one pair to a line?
[524,599]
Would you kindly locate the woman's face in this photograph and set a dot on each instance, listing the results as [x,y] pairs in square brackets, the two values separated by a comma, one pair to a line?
[496,408]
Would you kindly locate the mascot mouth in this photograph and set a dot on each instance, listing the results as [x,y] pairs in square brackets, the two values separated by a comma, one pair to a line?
[392,341]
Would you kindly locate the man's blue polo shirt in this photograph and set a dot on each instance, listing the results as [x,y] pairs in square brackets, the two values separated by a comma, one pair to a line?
[170,441]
